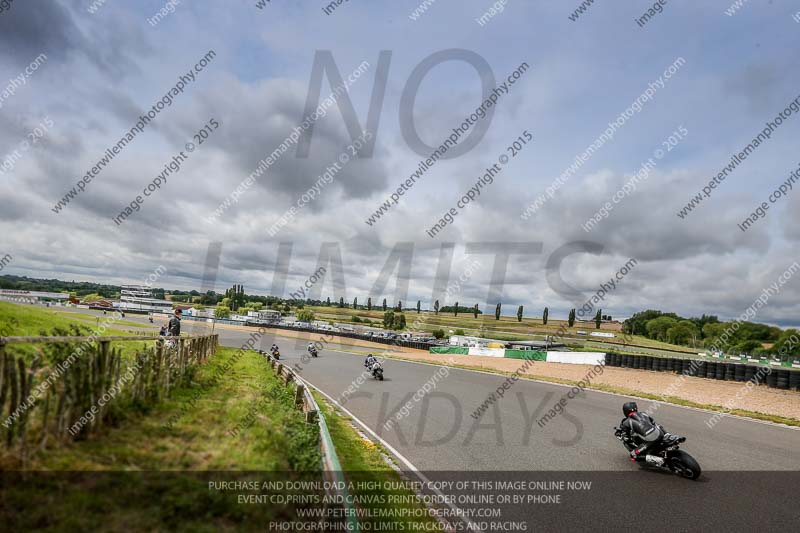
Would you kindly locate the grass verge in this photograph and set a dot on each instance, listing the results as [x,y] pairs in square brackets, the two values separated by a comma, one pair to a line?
[141,476]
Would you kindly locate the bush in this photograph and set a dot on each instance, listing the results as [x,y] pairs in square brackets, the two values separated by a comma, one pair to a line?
[438,333]
[305,315]
[459,332]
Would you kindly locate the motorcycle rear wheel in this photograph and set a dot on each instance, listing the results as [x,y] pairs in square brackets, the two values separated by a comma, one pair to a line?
[684,465]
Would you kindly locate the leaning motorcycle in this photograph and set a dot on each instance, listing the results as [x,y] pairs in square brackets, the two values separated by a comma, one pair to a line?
[666,454]
[313,352]
[276,354]
[377,371]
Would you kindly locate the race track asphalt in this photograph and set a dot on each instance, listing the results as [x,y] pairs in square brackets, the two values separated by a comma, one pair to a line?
[751,469]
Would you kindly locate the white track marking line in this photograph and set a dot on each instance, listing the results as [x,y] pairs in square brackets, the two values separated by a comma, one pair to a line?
[459,512]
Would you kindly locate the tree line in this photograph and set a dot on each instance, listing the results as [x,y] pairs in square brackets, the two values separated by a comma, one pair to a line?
[735,337]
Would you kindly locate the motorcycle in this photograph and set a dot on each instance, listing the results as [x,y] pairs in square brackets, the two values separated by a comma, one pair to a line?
[313,352]
[377,371]
[276,354]
[667,454]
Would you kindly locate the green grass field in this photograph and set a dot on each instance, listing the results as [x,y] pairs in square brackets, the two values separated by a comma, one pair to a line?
[28,320]
[507,328]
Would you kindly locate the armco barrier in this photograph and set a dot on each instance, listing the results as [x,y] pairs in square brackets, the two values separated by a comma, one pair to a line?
[780,377]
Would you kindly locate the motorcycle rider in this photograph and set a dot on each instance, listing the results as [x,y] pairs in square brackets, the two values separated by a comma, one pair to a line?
[311,348]
[371,360]
[274,348]
[643,431]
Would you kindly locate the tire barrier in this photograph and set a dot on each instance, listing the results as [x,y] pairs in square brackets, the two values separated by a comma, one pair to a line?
[794,380]
[772,379]
[730,374]
[701,371]
[780,378]
[711,370]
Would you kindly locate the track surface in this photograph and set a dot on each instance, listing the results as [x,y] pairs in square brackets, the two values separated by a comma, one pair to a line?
[439,432]
[750,469]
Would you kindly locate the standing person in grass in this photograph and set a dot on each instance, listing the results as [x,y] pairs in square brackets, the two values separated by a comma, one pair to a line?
[174,326]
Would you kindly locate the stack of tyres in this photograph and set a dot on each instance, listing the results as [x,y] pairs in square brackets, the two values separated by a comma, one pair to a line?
[730,372]
[700,367]
[782,378]
[616,359]
[669,364]
[637,361]
[739,371]
[794,379]
[711,370]
[772,379]
[721,369]
[749,372]
[687,367]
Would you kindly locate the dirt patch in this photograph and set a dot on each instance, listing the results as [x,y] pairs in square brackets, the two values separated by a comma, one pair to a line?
[729,394]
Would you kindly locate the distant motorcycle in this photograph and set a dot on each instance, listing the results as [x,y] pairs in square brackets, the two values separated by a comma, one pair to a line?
[377,371]
[276,354]
[672,458]
[313,352]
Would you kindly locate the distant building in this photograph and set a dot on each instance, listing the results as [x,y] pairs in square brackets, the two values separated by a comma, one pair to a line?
[267,316]
[139,299]
[12,295]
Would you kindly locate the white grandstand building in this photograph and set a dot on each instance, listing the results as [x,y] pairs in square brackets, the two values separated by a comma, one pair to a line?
[139,299]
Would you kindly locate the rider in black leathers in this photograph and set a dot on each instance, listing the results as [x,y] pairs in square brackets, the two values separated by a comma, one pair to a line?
[371,360]
[643,431]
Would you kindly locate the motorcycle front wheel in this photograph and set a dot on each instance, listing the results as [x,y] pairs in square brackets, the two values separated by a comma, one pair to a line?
[684,465]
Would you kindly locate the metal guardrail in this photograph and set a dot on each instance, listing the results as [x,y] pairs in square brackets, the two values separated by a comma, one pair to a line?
[331,467]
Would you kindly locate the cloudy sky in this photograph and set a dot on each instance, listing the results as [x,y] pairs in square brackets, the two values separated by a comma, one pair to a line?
[104,69]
